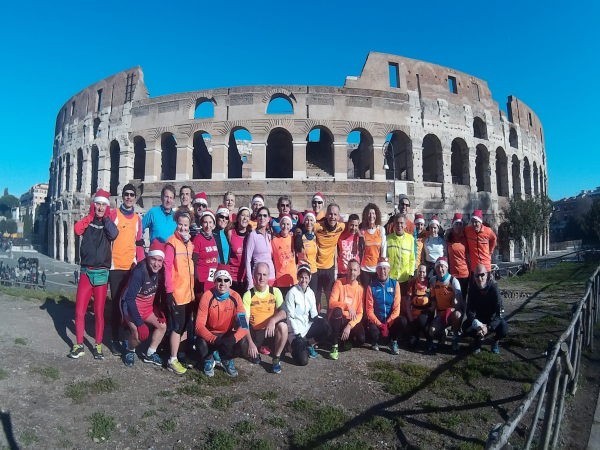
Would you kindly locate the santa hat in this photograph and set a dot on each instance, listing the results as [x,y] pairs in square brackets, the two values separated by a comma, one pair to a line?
[309,214]
[434,221]
[200,197]
[477,215]
[258,198]
[208,212]
[457,218]
[157,248]
[222,272]
[242,209]
[442,261]
[286,217]
[303,265]
[419,218]
[222,211]
[101,196]
[383,262]
[318,197]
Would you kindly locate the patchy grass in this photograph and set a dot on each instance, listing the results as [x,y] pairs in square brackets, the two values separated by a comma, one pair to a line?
[268,396]
[488,365]
[220,440]
[28,438]
[449,420]
[398,380]
[322,420]
[149,413]
[166,393]
[80,390]
[102,426]
[275,421]
[20,341]
[245,427]
[379,424]
[3,374]
[259,444]
[563,275]
[51,373]
[167,426]
[193,390]
[221,403]
[37,294]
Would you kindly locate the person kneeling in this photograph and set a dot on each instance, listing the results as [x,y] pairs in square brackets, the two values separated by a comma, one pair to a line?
[138,306]
[383,308]
[305,326]
[268,327]
[484,311]
[418,310]
[221,323]
[346,310]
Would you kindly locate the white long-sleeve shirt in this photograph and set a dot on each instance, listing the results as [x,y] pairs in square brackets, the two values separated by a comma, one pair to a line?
[300,307]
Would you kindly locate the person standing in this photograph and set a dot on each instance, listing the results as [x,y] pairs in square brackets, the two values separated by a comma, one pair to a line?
[457,254]
[481,242]
[97,232]
[258,246]
[237,238]
[375,242]
[160,219]
[400,248]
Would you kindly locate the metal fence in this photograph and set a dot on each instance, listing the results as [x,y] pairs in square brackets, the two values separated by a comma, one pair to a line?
[560,375]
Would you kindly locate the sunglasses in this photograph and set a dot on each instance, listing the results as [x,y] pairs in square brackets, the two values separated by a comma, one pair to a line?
[480,275]
[284,205]
[128,194]
[222,217]
[201,205]
[407,205]
[317,202]
[223,280]
[262,215]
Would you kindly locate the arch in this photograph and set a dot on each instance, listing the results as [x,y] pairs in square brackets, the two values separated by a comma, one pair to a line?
[280,104]
[459,162]
[168,166]
[201,158]
[60,177]
[96,127]
[536,186]
[527,176]
[115,155]
[95,159]
[319,151]
[139,157]
[479,128]
[513,138]
[79,170]
[516,176]
[240,144]
[280,156]
[57,227]
[360,151]
[205,108]
[432,159]
[502,172]
[399,157]
[65,242]
[68,171]
[482,168]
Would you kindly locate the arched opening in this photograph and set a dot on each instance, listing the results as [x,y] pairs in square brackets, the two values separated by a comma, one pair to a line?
[115,155]
[360,152]
[527,176]
[56,239]
[168,166]
[280,104]
[536,186]
[459,162]
[513,139]
[201,158]
[65,242]
[502,172]
[95,158]
[240,146]
[398,156]
[205,109]
[280,160]
[60,177]
[479,128]
[79,174]
[319,152]
[482,169]
[68,171]
[96,127]
[139,157]
[432,159]
[516,176]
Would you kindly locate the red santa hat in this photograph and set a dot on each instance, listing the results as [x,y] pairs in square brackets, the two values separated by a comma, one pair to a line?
[222,211]
[309,214]
[457,218]
[442,261]
[222,272]
[283,217]
[157,248]
[383,262]
[318,197]
[419,218]
[208,212]
[258,198]
[101,196]
[477,215]
[434,220]
[200,198]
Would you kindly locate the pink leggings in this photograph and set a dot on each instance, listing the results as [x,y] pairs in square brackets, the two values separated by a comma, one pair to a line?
[84,294]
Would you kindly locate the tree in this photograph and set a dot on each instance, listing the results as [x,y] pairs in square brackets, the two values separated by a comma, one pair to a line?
[8,226]
[527,219]
[591,222]
[7,202]
[27,226]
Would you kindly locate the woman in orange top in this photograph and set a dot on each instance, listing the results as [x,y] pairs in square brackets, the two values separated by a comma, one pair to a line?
[375,242]
[284,256]
[457,253]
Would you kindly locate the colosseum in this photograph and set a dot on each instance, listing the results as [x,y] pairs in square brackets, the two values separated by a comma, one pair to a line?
[402,126]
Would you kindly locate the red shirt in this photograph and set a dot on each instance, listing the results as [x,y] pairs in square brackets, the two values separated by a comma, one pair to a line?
[208,259]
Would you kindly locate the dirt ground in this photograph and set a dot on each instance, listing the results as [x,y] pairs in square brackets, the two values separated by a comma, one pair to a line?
[366,399]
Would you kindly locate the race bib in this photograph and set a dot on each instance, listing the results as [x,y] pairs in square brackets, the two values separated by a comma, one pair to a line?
[211,274]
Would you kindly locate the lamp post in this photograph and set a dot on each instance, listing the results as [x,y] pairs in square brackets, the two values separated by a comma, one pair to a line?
[386,152]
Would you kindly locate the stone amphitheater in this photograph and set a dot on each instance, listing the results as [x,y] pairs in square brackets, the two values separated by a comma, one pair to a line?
[401,126]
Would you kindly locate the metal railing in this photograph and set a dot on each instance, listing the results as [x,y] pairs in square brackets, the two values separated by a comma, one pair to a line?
[560,375]
[545,263]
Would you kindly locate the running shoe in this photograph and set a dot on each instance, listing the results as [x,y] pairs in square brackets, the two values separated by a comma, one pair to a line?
[117,348]
[276,366]
[76,352]
[394,347]
[97,351]
[129,359]
[495,348]
[176,367]
[255,360]
[209,367]
[312,353]
[375,347]
[230,368]
[185,361]
[153,359]
[334,353]
[477,350]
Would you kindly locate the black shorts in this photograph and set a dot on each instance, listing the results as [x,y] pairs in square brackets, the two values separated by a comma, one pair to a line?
[179,316]
[259,339]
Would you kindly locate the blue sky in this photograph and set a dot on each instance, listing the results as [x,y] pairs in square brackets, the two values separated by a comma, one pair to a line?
[545,53]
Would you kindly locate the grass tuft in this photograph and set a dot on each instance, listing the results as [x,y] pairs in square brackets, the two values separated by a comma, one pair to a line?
[220,440]
[78,391]
[245,427]
[51,373]
[221,403]
[28,438]
[3,374]
[167,426]
[102,426]
[399,380]
[20,341]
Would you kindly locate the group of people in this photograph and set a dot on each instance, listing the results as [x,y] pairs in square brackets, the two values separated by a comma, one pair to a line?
[216,284]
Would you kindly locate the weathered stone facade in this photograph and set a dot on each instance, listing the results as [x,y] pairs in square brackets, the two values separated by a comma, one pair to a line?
[446,142]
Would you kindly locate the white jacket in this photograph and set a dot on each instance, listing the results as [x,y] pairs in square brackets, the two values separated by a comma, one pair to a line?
[300,308]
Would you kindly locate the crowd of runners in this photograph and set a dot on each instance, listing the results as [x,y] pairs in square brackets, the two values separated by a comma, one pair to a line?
[254,283]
